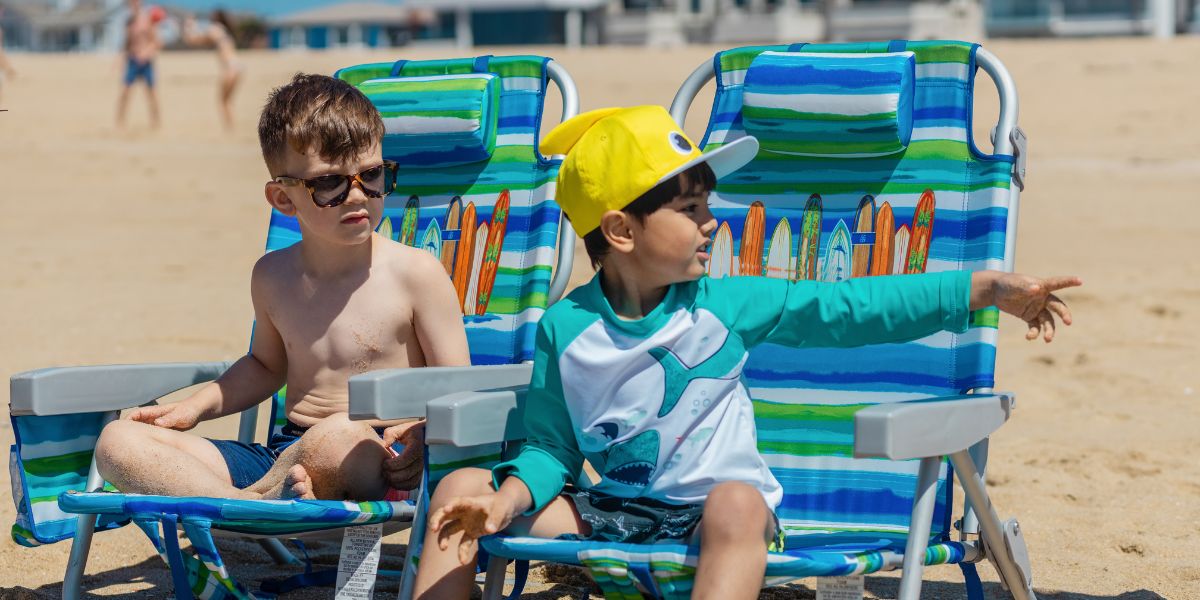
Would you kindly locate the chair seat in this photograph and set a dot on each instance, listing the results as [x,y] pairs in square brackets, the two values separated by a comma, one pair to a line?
[260,517]
[841,554]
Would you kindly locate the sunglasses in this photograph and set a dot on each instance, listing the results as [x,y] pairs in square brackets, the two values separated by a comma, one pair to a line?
[328,191]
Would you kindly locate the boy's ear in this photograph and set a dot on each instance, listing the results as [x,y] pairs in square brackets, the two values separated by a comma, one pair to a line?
[618,230]
[278,198]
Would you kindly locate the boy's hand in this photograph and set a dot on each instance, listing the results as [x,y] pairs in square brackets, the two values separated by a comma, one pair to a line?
[475,517]
[1031,299]
[403,472]
[178,416]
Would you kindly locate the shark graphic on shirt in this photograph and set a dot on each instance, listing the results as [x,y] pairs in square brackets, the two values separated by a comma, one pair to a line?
[634,461]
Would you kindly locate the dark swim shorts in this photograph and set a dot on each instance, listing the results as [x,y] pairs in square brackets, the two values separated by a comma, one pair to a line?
[248,463]
[135,69]
[638,520]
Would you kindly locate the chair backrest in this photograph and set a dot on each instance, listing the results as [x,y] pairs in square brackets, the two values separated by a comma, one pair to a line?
[481,200]
[473,188]
[867,167]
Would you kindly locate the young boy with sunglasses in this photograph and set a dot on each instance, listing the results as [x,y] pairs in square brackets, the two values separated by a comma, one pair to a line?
[639,371]
[341,301]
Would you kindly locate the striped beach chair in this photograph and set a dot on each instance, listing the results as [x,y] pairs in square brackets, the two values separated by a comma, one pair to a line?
[472,189]
[867,167]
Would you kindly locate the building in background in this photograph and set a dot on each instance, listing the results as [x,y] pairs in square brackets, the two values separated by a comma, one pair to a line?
[464,23]
[63,25]
[1086,17]
[91,25]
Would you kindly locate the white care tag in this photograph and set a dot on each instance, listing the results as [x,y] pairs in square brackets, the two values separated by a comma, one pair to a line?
[359,562]
[840,588]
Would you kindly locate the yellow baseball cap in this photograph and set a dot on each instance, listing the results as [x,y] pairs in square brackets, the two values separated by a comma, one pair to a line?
[614,155]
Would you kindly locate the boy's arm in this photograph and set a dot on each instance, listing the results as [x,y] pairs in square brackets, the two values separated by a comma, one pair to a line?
[867,310]
[250,380]
[1030,299]
[550,456]
[437,316]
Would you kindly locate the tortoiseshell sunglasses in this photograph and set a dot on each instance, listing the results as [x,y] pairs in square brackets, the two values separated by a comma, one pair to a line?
[328,191]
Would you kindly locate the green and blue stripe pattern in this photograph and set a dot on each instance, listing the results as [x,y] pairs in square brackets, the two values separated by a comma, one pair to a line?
[830,104]
[841,515]
[437,121]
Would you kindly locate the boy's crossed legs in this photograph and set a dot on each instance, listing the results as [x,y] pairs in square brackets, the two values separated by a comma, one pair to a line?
[733,534]
[335,459]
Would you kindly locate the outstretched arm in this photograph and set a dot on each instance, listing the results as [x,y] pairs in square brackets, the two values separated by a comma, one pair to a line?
[192,35]
[1029,298]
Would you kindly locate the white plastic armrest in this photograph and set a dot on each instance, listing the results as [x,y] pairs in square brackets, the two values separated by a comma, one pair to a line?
[929,428]
[403,393]
[71,390]
[473,418]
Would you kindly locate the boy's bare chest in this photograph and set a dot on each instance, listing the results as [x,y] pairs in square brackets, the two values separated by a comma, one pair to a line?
[355,330]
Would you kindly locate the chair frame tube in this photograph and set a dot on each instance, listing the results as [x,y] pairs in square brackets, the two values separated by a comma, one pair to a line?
[968,463]
[566,233]
[85,526]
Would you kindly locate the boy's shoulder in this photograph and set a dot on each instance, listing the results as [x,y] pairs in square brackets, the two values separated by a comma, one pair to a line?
[412,267]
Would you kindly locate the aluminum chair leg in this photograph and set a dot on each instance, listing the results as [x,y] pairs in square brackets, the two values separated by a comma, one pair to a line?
[996,540]
[493,584]
[924,501]
[73,580]
[85,526]
[278,552]
[970,521]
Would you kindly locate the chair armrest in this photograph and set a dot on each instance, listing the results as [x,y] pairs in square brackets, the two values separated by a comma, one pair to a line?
[403,393]
[929,428]
[70,390]
[475,418]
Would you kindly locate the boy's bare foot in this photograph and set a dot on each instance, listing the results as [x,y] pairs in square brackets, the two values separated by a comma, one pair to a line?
[295,486]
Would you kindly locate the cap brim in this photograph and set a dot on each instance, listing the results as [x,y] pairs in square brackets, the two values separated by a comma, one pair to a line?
[723,160]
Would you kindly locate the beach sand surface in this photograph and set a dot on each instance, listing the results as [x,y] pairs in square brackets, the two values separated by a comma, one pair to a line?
[127,246]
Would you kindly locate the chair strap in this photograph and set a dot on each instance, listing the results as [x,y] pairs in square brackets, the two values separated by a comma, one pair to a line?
[971,581]
[179,573]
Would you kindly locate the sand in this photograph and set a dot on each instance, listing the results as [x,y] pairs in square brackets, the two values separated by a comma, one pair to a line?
[136,246]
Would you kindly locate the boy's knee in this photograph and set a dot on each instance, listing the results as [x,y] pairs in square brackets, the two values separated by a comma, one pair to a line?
[733,510]
[339,427]
[469,481]
[117,436]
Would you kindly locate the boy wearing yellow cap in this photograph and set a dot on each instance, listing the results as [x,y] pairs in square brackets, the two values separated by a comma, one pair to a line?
[639,371]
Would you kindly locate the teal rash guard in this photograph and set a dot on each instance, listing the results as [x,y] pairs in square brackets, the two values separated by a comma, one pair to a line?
[657,405]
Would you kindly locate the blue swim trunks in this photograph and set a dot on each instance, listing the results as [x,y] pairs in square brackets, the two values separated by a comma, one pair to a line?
[135,69]
[248,463]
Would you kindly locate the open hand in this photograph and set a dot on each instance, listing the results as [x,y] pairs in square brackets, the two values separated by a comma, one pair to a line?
[180,417]
[1032,299]
[474,517]
[403,471]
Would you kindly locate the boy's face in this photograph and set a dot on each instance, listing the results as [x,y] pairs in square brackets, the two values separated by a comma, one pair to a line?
[349,223]
[671,244]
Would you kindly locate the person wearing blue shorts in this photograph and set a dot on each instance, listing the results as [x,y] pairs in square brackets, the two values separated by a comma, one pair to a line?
[141,48]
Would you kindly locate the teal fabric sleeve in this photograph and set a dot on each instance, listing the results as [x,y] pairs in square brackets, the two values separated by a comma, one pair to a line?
[551,454]
[856,312]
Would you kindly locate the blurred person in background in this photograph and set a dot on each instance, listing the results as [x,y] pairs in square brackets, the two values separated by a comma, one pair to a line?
[142,45]
[219,36]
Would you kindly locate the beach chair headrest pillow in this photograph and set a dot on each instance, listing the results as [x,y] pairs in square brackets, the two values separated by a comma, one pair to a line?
[840,105]
[437,121]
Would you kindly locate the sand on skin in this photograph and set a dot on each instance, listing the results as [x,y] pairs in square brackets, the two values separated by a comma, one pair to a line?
[136,246]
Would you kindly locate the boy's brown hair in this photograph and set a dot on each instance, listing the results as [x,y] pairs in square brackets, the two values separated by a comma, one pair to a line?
[317,112]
